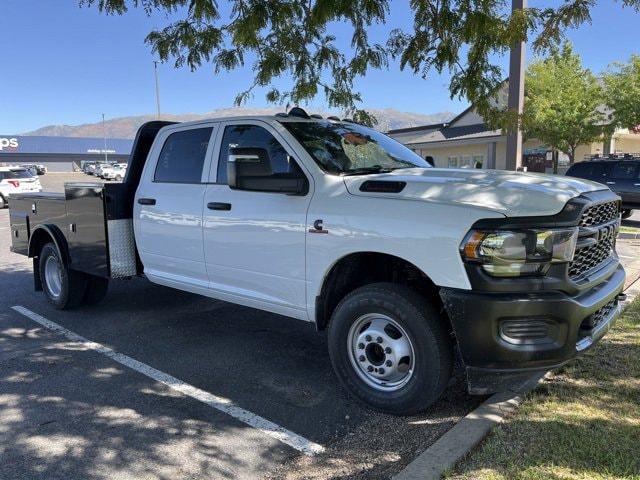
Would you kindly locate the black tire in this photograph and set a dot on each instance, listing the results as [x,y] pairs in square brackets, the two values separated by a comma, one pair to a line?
[97,288]
[72,284]
[626,213]
[425,327]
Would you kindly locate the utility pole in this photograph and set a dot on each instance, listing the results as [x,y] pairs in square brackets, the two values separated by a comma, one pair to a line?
[155,70]
[104,133]
[516,95]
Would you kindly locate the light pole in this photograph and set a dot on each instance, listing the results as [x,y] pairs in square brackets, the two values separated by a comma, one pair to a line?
[516,95]
[155,71]
[104,133]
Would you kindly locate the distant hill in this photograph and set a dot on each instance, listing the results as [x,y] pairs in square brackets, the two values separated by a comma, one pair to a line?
[126,127]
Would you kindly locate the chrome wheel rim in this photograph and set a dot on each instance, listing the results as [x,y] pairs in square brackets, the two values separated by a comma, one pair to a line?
[381,352]
[53,276]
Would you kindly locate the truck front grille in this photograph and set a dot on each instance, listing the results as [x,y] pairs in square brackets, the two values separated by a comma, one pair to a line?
[597,222]
[590,257]
[600,213]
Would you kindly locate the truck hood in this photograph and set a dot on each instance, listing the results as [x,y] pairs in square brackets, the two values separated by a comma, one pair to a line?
[514,194]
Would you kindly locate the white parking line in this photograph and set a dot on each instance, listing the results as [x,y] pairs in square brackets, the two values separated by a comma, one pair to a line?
[220,403]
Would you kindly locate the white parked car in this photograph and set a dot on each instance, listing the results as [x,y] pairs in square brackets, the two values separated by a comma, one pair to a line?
[117,172]
[101,168]
[329,222]
[15,180]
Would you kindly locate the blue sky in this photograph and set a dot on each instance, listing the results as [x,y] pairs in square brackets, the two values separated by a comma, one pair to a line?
[65,65]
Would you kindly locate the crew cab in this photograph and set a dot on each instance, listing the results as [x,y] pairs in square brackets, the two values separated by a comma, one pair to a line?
[14,180]
[332,223]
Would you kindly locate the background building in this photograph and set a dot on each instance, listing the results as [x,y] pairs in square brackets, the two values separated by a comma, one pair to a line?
[466,141]
[61,154]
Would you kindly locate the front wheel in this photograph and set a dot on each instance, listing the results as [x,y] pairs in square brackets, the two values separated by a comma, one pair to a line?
[390,349]
[626,213]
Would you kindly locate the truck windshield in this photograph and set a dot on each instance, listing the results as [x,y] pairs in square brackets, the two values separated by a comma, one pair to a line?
[351,149]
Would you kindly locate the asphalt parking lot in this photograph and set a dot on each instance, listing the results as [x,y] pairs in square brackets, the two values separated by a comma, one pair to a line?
[69,411]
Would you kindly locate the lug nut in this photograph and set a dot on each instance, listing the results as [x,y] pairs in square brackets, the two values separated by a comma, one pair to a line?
[369,368]
[381,371]
[379,339]
[387,350]
[368,338]
[388,363]
[361,346]
[361,358]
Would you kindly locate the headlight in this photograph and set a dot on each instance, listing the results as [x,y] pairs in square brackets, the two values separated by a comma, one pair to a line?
[511,253]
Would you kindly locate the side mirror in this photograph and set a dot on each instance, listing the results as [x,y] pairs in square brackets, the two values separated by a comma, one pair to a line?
[243,162]
[250,169]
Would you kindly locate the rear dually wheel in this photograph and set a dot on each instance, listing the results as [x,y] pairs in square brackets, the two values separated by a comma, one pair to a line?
[64,288]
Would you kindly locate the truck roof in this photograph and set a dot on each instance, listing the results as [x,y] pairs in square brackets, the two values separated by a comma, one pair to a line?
[296,114]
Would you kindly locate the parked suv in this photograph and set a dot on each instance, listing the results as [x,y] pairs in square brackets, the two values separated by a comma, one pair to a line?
[620,173]
[89,167]
[117,172]
[15,180]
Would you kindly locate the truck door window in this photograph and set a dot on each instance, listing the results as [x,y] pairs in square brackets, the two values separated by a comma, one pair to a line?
[182,156]
[253,136]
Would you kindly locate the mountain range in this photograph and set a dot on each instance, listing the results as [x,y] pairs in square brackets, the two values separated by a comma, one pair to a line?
[126,127]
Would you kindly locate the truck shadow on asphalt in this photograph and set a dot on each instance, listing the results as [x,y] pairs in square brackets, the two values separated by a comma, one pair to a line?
[67,414]
[78,414]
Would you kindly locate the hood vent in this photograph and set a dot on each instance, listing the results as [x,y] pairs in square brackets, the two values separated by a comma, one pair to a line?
[382,186]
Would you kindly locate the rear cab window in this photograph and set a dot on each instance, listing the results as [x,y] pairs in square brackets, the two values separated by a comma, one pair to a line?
[183,156]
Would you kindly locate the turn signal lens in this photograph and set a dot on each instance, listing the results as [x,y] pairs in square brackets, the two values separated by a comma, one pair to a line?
[508,253]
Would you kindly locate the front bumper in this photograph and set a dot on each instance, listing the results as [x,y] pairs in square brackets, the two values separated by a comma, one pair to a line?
[505,338]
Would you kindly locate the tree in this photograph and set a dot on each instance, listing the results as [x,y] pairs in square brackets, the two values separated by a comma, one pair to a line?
[622,93]
[292,40]
[562,105]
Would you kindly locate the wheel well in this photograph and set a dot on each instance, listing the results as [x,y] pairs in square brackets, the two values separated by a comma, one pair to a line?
[43,235]
[359,269]
[38,240]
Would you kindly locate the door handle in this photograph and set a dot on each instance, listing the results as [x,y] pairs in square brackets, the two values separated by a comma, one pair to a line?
[147,201]
[218,206]
[611,183]
[636,184]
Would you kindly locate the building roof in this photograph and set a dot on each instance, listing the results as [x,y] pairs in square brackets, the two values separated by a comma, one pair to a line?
[417,129]
[465,132]
[69,145]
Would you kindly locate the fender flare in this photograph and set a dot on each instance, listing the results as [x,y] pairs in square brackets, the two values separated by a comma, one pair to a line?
[52,232]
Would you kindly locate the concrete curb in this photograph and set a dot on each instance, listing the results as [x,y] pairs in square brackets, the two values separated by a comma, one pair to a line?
[629,236]
[476,425]
[466,434]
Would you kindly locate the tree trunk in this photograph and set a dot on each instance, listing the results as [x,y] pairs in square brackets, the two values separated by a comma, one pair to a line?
[572,155]
[554,159]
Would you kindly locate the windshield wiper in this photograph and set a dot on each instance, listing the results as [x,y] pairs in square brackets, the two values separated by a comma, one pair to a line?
[366,170]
